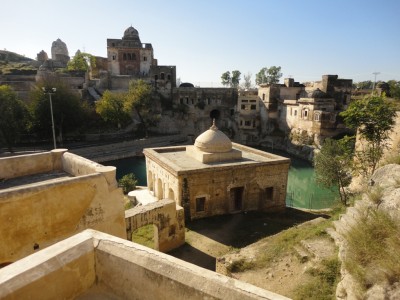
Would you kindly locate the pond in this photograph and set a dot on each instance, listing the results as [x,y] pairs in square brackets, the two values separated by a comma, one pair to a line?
[302,190]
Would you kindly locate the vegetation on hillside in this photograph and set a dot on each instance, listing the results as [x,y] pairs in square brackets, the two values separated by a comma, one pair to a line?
[13,117]
[373,117]
[333,165]
[68,111]
[373,255]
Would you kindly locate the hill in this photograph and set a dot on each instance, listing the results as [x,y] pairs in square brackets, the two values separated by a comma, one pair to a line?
[15,64]
[8,56]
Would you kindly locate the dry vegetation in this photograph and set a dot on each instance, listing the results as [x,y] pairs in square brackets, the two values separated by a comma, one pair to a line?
[373,255]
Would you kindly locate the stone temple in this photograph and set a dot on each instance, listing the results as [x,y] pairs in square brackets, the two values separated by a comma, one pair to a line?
[215,176]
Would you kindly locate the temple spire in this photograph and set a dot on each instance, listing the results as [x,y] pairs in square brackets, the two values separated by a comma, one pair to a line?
[213,126]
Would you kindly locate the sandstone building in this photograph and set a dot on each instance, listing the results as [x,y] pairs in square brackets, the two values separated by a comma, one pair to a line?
[128,58]
[215,176]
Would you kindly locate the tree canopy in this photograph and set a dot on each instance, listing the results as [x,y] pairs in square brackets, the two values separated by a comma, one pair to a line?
[268,75]
[140,99]
[82,61]
[232,80]
[333,165]
[68,111]
[373,117]
[247,81]
[13,116]
[111,107]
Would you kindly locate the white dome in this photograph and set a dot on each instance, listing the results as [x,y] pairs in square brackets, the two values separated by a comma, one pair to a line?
[213,141]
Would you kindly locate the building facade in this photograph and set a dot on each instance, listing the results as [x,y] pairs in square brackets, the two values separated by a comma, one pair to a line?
[215,176]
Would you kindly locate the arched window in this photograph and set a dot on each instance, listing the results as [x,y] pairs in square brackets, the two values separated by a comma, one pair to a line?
[162,75]
[317,116]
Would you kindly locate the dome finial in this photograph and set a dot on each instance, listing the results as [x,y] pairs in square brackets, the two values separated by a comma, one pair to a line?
[213,126]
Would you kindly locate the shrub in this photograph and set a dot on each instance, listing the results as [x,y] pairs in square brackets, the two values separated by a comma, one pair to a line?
[128,183]
[240,265]
[323,282]
[373,250]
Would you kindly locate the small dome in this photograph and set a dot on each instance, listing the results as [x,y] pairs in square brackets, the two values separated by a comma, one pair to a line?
[213,141]
[317,94]
[131,34]
[187,85]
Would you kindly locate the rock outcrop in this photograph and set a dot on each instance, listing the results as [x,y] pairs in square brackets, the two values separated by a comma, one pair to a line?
[387,178]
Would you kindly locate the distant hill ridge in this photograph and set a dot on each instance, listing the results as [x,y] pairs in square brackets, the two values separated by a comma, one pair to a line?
[13,57]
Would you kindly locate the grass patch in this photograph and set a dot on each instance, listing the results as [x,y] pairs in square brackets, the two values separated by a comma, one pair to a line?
[144,236]
[284,242]
[375,195]
[240,265]
[391,159]
[322,284]
[373,255]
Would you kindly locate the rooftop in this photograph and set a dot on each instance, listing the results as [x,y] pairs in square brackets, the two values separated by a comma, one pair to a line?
[177,160]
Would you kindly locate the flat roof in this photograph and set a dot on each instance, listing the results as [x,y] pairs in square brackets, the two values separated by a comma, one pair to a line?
[32,180]
[177,160]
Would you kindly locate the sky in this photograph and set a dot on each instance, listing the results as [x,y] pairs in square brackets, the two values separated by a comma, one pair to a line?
[205,38]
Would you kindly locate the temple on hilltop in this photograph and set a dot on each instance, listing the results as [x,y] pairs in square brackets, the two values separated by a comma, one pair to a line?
[215,176]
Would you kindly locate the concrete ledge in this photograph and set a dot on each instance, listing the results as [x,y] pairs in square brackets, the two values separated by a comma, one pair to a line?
[92,259]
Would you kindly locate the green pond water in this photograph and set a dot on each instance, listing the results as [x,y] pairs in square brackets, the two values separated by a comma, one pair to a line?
[302,190]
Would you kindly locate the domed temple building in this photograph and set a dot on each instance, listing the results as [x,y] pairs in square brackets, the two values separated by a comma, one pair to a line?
[215,176]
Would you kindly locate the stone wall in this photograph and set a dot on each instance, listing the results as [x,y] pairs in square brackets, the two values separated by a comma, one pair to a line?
[94,265]
[166,216]
[38,214]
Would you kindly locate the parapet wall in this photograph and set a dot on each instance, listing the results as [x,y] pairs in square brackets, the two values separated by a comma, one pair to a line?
[34,216]
[94,265]
[23,165]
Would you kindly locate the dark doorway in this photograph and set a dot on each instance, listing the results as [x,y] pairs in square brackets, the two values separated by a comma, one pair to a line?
[215,114]
[237,198]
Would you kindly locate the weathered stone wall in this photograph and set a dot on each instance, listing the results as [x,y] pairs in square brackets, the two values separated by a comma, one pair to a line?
[166,216]
[94,265]
[63,271]
[217,185]
[23,165]
[34,216]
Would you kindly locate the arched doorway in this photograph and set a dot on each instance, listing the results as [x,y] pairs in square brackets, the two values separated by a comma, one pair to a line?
[215,114]
[171,194]
[150,181]
[159,192]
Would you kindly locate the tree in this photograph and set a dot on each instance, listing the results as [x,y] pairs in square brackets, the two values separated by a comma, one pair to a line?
[247,81]
[333,165]
[68,112]
[139,98]
[394,88]
[226,78]
[268,75]
[373,117]
[231,80]
[82,61]
[128,183]
[235,79]
[362,85]
[13,116]
[111,107]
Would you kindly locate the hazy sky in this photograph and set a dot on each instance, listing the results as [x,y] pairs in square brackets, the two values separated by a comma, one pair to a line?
[204,38]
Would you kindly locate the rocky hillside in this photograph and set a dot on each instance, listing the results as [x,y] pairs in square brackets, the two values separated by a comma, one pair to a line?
[16,64]
[8,56]
[368,235]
